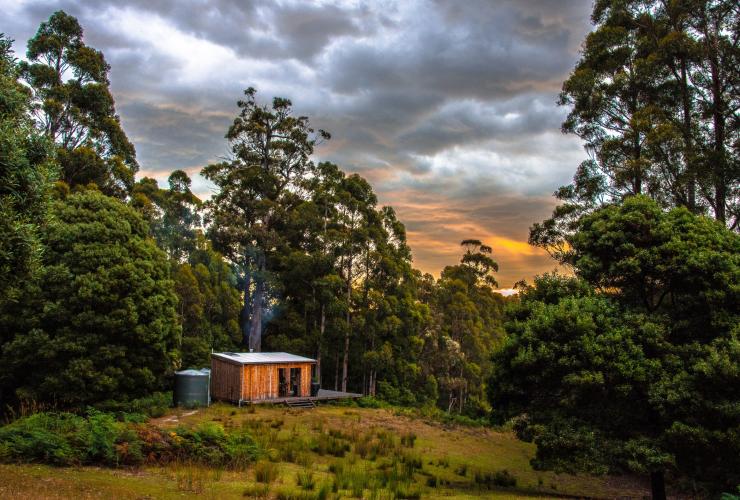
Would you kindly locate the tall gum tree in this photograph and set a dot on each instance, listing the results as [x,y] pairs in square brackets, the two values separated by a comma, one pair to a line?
[258,186]
[75,108]
[655,97]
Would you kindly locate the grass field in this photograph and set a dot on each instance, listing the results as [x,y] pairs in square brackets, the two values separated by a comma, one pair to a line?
[327,452]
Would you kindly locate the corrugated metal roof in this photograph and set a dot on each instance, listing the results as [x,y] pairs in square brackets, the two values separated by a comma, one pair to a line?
[258,358]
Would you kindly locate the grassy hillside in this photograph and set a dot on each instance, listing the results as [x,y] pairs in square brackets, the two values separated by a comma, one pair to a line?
[331,449]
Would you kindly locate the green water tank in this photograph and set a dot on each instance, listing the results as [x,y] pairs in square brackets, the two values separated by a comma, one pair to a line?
[192,388]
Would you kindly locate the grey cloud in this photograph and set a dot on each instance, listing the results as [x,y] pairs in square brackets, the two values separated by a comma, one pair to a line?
[440,103]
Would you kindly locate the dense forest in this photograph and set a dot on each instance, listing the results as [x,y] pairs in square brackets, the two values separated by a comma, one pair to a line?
[629,362]
[112,282]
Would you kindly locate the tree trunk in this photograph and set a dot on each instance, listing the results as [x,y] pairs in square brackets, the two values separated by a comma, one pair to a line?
[255,334]
[336,371]
[348,332]
[657,485]
[720,159]
[322,328]
[462,390]
[688,142]
[345,362]
[711,45]
[247,305]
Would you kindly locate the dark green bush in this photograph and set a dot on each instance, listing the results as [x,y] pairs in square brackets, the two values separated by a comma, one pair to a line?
[52,438]
[154,405]
[209,444]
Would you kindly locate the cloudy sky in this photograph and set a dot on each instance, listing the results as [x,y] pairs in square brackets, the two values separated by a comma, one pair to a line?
[447,107]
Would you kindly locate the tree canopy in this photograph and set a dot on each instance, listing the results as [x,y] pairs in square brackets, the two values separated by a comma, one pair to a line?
[634,367]
[655,98]
[101,321]
[75,109]
[26,172]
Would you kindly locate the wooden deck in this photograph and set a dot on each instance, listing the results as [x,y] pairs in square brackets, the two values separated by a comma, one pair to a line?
[323,395]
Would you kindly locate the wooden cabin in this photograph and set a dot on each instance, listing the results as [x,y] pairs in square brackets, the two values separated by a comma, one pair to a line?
[260,376]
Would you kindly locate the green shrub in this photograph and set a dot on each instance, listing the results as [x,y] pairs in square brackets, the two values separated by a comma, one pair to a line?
[52,438]
[155,405]
[370,402]
[209,444]
[98,438]
[462,470]
[102,434]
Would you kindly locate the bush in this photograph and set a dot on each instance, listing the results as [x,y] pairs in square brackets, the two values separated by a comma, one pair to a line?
[98,438]
[51,438]
[370,402]
[155,405]
[102,432]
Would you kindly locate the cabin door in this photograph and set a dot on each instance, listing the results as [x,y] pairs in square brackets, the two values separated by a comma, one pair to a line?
[295,382]
[283,385]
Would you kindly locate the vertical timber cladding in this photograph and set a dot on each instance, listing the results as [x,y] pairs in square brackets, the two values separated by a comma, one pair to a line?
[226,380]
[260,381]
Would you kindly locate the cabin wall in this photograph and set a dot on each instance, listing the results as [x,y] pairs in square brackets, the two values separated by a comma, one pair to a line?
[261,382]
[226,380]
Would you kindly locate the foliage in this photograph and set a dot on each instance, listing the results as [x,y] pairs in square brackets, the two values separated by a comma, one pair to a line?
[98,438]
[75,109]
[25,175]
[465,329]
[173,213]
[101,320]
[209,304]
[654,96]
[256,192]
[154,405]
[642,375]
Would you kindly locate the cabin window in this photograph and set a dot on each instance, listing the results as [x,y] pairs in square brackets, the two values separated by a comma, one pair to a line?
[295,381]
[283,386]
